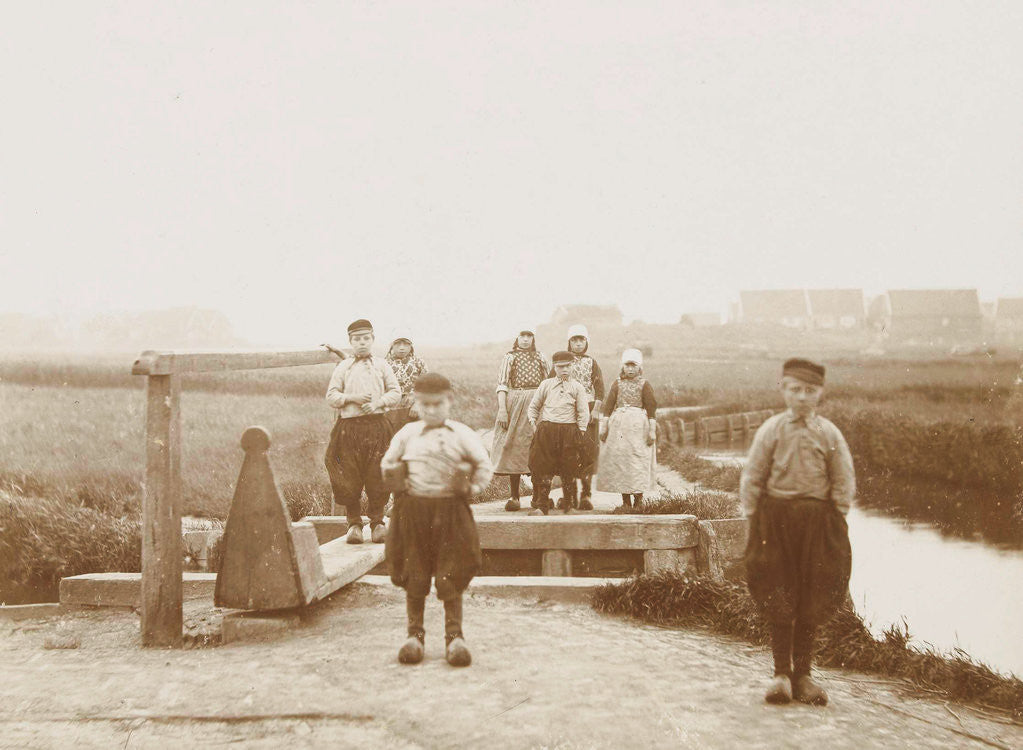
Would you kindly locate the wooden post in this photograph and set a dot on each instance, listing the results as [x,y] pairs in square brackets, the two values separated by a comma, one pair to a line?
[731,429]
[161,514]
[682,433]
[704,432]
[745,428]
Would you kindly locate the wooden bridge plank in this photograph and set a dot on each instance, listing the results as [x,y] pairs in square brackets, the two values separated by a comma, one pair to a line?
[587,532]
[165,363]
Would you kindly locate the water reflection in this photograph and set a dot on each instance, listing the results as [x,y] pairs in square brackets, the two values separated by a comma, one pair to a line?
[952,592]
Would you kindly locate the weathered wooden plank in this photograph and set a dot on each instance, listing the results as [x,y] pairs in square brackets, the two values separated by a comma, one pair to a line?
[161,515]
[344,563]
[125,589]
[307,555]
[587,532]
[165,363]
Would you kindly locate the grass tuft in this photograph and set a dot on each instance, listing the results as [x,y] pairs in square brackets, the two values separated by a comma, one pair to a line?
[726,607]
[703,505]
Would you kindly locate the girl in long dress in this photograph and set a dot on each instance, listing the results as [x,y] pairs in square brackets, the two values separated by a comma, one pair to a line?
[628,433]
[522,370]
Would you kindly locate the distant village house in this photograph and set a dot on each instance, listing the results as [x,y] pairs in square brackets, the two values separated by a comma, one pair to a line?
[935,316]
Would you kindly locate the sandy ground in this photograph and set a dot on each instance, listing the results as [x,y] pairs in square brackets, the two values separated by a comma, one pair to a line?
[544,675]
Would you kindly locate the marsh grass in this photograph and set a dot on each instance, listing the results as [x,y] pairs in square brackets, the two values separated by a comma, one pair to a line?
[45,539]
[703,505]
[845,641]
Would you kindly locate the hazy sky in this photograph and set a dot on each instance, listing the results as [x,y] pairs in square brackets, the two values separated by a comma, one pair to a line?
[459,168]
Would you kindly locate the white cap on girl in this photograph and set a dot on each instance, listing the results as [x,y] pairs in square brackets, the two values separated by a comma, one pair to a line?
[632,355]
[578,330]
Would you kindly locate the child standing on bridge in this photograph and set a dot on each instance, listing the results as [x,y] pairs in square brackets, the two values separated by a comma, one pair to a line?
[797,485]
[559,414]
[628,430]
[407,367]
[360,389]
[586,372]
[522,370]
[434,466]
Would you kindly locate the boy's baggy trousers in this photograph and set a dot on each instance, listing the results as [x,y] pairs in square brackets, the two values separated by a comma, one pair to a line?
[353,463]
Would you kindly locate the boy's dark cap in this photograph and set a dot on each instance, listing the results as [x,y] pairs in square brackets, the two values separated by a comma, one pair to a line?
[432,382]
[563,357]
[359,326]
[805,370]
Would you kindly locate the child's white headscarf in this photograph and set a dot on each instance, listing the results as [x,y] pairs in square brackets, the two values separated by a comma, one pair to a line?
[632,355]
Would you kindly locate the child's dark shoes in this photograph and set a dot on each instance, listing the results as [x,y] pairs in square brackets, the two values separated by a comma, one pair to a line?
[458,653]
[585,504]
[379,534]
[512,505]
[411,651]
[780,691]
[807,691]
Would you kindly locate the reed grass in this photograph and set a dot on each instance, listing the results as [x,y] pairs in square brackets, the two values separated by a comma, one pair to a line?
[703,505]
[724,607]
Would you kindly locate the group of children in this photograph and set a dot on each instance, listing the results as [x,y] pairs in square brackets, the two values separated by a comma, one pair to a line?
[549,427]
[796,487]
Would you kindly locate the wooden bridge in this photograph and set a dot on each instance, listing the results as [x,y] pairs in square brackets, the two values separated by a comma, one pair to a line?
[271,563]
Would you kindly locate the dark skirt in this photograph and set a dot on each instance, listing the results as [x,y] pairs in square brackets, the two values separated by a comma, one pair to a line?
[589,452]
[798,559]
[556,450]
[432,538]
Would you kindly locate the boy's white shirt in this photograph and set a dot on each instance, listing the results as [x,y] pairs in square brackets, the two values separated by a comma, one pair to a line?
[468,448]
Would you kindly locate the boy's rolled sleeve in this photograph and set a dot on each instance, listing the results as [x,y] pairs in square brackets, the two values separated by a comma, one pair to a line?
[483,470]
[757,469]
[582,408]
[335,390]
[392,390]
[536,403]
[842,472]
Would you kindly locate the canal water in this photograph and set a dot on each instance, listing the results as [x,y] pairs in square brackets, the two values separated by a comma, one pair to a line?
[952,593]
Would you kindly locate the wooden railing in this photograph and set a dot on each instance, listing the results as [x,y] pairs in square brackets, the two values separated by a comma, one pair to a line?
[704,431]
[161,496]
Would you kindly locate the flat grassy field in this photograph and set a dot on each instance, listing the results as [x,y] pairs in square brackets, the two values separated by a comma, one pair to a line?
[936,440]
[73,429]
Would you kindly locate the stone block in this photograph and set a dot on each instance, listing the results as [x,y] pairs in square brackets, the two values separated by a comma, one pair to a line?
[556,562]
[125,589]
[587,532]
[255,627]
[661,560]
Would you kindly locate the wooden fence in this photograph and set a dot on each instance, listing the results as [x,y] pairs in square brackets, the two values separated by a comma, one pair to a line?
[705,431]
[161,497]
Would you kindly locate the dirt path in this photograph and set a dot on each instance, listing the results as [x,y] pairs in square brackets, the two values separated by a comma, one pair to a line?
[543,676]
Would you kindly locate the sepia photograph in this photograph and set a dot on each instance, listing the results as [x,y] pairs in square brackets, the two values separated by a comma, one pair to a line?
[511,374]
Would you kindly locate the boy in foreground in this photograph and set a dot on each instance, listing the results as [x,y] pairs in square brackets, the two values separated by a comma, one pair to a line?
[434,466]
[796,487]
[361,389]
[560,414]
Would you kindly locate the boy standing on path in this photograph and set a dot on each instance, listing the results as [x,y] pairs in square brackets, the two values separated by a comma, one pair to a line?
[360,389]
[559,414]
[434,466]
[797,485]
